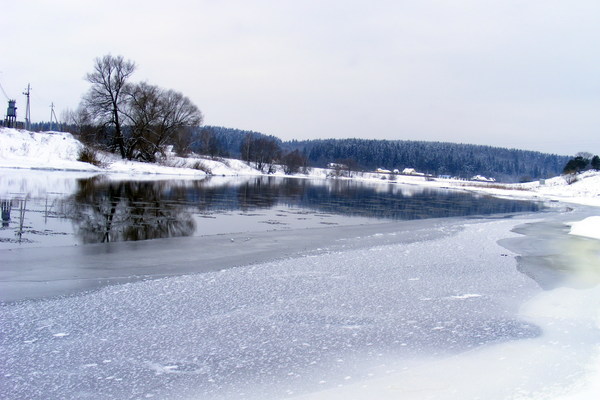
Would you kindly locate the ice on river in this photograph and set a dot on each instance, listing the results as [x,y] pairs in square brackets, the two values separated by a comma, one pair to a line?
[321,325]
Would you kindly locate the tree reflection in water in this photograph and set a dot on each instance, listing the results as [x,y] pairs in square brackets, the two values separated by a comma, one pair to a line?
[105,211]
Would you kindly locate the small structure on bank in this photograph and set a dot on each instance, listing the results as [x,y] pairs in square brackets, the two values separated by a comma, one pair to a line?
[11,114]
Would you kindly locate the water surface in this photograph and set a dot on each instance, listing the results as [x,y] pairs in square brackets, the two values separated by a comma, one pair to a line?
[68,211]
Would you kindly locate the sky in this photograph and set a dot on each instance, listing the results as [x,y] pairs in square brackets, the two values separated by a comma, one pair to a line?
[517,74]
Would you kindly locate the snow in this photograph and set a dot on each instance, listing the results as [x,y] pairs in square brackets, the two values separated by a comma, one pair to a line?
[589,227]
[586,190]
[447,315]
[34,150]
[59,151]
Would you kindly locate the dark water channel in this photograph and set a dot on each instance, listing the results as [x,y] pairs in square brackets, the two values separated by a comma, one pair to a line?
[97,209]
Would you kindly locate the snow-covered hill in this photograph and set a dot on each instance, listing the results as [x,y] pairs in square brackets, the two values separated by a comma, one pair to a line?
[60,150]
[35,150]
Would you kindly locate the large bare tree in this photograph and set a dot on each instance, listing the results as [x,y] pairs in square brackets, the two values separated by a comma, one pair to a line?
[106,97]
[156,117]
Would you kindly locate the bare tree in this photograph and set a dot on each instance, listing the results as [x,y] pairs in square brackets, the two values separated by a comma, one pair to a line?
[156,117]
[79,122]
[208,143]
[293,162]
[183,141]
[263,151]
[105,99]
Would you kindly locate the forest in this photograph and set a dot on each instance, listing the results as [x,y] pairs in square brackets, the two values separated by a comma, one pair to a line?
[435,158]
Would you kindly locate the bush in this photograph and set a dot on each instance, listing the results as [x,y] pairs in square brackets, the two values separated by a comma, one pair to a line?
[570,178]
[90,156]
[200,166]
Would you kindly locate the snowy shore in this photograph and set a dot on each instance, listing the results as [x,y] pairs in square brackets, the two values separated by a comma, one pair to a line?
[463,309]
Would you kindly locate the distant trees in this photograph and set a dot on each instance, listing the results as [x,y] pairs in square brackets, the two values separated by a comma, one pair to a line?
[260,150]
[140,119]
[293,162]
[265,151]
[582,162]
[576,165]
[595,163]
[436,158]
[208,143]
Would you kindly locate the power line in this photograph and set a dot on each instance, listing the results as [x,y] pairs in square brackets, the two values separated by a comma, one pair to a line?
[5,95]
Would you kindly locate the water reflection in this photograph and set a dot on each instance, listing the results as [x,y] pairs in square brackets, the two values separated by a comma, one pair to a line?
[41,209]
[107,211]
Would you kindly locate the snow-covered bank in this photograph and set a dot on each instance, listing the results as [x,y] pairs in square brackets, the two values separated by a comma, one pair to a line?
[60,150]
[35,150]
[589,227]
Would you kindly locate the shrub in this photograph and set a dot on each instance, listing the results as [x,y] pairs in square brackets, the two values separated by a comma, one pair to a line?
[570,178]
[90,156]
[200,166]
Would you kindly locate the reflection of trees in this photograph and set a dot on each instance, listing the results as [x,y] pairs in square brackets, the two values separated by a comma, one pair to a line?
[260,192]
[122,211]
[117,211]
[348,197]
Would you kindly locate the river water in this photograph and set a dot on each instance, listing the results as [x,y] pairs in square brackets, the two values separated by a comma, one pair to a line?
[55,209]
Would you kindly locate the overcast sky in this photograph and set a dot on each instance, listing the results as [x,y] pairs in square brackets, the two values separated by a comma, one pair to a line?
[522,74]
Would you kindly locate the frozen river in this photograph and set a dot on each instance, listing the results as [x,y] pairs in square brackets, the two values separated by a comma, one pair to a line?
[344,310]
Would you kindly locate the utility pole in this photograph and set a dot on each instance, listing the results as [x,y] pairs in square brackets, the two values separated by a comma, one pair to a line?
[53,118]
[27,109]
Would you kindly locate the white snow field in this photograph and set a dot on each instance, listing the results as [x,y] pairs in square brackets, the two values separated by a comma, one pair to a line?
[494,308]
[589,227]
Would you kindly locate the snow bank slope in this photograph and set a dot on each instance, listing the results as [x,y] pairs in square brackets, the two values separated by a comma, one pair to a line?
[59,151]
[586,190]
[589,227]
[51,150]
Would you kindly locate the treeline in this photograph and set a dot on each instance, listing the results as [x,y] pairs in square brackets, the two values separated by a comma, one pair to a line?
[217,141]
[435,158]
[582,162]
